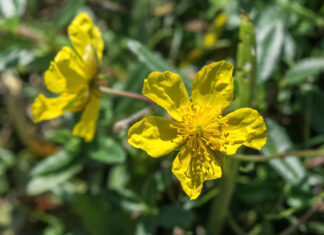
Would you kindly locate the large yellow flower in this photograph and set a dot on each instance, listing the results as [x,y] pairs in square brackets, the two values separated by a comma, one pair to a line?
[198,128]
[72,76]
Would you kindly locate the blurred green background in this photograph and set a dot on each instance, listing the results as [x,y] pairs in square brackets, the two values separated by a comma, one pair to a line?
[53,183]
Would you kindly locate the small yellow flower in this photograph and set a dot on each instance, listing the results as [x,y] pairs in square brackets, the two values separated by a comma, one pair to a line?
[198,128]
[215,31]
[72,75]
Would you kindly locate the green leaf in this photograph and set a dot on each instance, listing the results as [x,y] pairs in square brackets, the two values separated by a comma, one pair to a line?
[66,14]
[171,216]
[317,111]
[146,225]
[93,213]
[297,8]
[258,192]
[99,217]
[153,188]
[6,158]
[9,24]
[270,38]
[203,199]
[290,168]
[289,47]
[118,177]
[13,57]
[60,136]
[299,199]
[316,227]
[41,184]
[125,199]
[108,151]
[141,19]
[54,228]
[303,70]
[11,8]
[153,61]
[107,115]
[52,163]
[13,40]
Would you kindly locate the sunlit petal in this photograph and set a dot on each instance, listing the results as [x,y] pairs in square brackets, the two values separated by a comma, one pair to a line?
[155,135]
[193,168]
[167,90]
[45,108]
[66,73]
[86,127]
[213,85]
[83,32]
[245,126]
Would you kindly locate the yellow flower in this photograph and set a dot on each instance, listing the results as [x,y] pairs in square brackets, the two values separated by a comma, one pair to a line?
[215,31]
[198,127]
[72,76]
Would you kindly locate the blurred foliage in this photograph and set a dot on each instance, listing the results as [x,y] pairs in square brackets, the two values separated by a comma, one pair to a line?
[53,183]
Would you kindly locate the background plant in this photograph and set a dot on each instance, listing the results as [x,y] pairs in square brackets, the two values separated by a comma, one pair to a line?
[52,182]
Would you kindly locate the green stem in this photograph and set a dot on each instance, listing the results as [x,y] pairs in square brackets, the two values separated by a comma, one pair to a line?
[264,158]
[219,207]
[246,79]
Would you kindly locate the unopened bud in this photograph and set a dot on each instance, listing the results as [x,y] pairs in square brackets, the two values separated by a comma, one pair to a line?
[90,60]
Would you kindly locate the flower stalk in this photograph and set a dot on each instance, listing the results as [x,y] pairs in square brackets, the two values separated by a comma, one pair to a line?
[108,90]
[264,158]
[246,78]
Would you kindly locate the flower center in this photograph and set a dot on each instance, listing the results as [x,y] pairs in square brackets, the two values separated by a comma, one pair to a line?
[202,125]
[199,129]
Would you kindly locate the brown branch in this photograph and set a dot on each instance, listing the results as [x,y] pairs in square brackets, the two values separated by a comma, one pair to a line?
[108,90]
[124,123]
[292,229]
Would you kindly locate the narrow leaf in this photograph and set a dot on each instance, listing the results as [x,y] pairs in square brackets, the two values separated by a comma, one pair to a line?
[13,57]
[66,14]
[290,168]
[303,70]
[41,184]
[108,151]
[270,39]
[153,61]
[94,215]
[52,163]
[12,8]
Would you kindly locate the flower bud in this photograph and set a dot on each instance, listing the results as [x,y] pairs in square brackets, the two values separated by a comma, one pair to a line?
[91,62]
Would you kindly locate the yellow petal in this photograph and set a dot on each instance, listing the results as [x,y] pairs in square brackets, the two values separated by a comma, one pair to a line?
[245,126]
[210,39]
[213,85]
[86,127]
[192,169]
[167,90]
[155,135]
[66,73]
[45,108]
[215,31]
[83,32]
